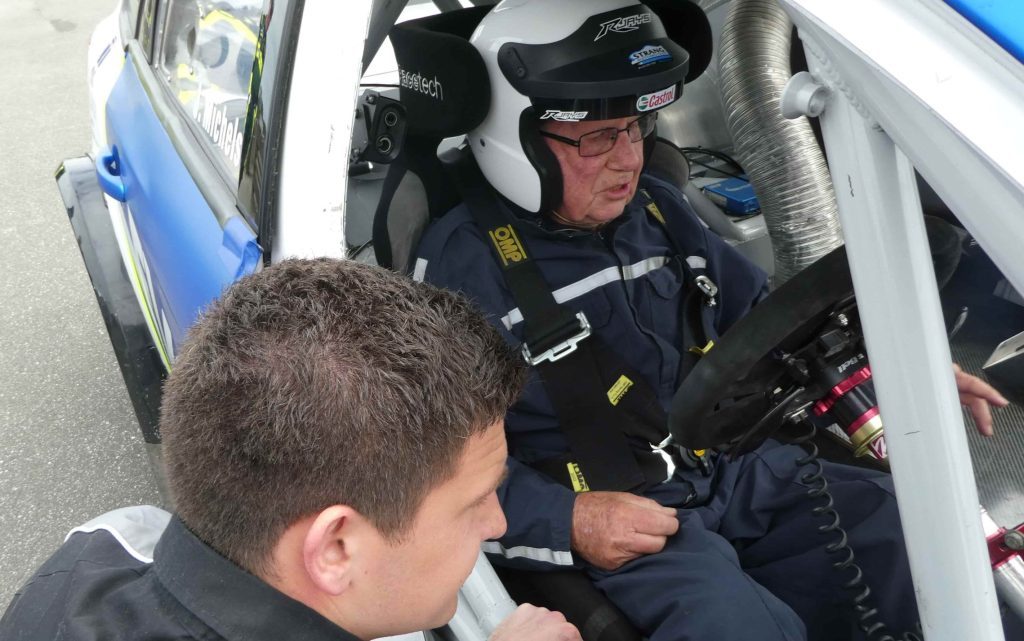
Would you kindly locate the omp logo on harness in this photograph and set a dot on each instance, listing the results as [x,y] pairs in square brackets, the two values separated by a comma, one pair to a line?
[564,116]
[656,99]
[624,24]
[418,83]
[619,389]
[507,244]
[648,55]
[579,484]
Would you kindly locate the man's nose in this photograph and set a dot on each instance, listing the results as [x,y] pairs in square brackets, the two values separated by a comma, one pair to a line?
[626,154]
[496,523]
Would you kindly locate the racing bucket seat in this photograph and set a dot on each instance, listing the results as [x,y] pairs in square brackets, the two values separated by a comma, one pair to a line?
[444,92]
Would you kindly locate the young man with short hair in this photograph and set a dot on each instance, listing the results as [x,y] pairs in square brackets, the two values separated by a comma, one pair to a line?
[334,438]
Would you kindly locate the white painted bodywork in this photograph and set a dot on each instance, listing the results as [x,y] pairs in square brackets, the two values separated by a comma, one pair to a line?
[104,61]
[915,86]
[318,129]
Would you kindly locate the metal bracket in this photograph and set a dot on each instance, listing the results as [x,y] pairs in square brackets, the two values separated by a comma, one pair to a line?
[708,288]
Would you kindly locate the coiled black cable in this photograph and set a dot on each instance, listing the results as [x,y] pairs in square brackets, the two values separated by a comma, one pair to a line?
[866,615]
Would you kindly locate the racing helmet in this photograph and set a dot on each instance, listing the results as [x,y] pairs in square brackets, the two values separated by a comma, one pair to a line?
[575,60]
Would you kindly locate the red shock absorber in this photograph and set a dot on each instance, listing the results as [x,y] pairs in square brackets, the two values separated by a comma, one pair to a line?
[851,403]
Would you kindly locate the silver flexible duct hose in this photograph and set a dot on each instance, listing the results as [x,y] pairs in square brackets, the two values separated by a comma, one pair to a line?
[781,157]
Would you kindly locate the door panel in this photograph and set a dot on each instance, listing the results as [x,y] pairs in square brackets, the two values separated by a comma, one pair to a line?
[187,240]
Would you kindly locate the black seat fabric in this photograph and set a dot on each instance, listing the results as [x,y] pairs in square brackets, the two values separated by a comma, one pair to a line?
[444,91]
[415,191]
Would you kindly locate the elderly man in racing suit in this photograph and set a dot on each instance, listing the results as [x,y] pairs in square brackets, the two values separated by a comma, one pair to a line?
[726,549]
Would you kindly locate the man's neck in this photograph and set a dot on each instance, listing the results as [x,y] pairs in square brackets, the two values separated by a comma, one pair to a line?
[557,217]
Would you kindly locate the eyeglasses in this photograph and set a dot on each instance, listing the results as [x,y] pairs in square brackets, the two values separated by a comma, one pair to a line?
[602,141]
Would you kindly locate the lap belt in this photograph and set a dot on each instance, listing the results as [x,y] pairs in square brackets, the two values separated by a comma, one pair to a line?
[577,369]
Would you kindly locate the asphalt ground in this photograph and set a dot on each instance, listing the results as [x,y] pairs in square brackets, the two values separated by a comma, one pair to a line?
[70,448]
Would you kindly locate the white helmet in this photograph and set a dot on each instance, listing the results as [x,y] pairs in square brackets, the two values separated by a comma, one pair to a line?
[573,60]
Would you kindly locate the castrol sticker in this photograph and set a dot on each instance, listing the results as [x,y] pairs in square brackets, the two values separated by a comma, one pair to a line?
[656,99]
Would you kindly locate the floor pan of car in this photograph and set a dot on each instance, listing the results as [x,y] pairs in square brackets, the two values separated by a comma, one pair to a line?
[998,467]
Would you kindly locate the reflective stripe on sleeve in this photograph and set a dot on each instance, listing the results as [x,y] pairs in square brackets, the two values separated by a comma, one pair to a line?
[697,262]
[601,278]
[544,555]
[420,270]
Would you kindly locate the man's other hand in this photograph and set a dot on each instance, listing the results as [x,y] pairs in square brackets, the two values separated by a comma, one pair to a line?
[976,394]
[611,528]
[530,623]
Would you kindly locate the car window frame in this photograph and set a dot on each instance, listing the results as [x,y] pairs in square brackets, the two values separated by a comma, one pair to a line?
[198,135]
[128,23]
[145,27]
[261,165]
[250,198]
[215,190]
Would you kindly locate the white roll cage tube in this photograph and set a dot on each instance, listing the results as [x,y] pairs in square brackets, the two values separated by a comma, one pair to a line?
[913,85]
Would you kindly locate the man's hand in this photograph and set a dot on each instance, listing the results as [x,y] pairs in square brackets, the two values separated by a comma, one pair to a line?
[530,623]
[976,394]
[610,528]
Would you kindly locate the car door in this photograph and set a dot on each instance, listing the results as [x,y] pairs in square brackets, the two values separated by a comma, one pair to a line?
[185,153]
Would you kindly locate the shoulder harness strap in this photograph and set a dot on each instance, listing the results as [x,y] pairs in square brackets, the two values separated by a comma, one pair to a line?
[698,282]
[572,365]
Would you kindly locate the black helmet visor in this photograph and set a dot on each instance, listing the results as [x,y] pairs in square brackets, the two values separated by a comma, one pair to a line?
[617,64]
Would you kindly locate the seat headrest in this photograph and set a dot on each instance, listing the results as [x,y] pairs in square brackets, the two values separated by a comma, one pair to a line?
[443,81]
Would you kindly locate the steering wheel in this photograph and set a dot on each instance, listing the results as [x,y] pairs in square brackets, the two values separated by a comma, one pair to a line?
[739,392]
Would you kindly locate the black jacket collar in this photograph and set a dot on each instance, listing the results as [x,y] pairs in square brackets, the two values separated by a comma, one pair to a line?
[235,604]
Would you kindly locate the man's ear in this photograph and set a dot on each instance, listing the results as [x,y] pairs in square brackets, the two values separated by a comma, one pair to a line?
[328,547]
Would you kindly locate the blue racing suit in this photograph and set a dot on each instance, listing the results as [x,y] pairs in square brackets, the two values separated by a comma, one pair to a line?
[748,562]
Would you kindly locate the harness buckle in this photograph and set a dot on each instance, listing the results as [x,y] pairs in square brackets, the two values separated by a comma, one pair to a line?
[708,288]
[563,349]
[688,458]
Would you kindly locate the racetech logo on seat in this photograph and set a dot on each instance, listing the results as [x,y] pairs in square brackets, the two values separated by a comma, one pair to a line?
[419,83]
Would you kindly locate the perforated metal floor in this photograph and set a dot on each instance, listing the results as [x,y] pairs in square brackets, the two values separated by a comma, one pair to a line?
[998,461]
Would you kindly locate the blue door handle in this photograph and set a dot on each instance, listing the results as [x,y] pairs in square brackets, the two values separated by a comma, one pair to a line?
[108,170]
[239,248]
